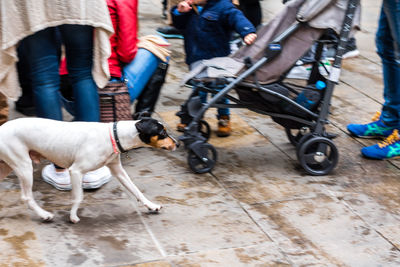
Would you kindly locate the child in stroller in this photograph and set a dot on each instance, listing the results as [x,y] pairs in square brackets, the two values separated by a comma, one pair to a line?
[207,26]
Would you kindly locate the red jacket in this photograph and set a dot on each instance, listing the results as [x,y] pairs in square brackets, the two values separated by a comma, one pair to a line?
[124,16]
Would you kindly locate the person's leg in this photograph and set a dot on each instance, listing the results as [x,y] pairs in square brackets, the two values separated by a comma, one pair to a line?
[170,4]
[224,125]
[224,111]
[42,48]
[164,9]
[252,10]
[138,72]
[147,100]
[78,41]
[388,44]
[42,54]
[25,104]
[381,126]
[170,31]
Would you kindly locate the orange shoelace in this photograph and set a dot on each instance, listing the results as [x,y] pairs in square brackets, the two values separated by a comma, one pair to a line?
[394,137]
[376,116]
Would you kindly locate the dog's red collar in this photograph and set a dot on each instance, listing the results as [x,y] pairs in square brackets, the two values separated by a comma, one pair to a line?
[114,145]
[115,140]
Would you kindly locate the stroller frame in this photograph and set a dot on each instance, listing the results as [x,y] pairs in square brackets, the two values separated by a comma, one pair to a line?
[316,152]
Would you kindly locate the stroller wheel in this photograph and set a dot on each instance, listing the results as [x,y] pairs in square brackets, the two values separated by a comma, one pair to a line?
[295,135]
[204,129]
[202,158]
[318,155]
[303,139]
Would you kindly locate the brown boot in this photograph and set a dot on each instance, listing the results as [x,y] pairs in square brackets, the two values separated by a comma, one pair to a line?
[180,127]
[224,126]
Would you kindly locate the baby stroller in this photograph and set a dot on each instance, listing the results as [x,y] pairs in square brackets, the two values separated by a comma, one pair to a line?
[257,73]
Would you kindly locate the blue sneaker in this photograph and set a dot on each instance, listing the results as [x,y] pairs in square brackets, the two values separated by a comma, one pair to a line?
[388,149]
[377,128]
[169,32]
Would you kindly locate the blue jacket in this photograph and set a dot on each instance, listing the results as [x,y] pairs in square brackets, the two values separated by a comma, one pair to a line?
[207,35]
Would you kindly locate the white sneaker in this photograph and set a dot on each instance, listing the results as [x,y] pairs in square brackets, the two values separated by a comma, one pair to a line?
[96,178]
[62,180]
[59,180]
[299,72]
[303,72]
[351,54]
[330,55]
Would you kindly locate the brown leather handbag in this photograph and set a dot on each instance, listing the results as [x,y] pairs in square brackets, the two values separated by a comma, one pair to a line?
[115,104]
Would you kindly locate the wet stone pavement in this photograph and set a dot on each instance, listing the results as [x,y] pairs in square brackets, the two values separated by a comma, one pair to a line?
[257,208]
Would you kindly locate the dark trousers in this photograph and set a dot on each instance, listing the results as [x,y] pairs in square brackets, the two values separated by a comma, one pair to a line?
[252,11]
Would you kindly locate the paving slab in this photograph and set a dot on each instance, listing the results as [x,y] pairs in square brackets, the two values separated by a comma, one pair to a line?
[321,231]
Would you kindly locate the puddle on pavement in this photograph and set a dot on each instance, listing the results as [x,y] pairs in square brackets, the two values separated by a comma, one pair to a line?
[3,232]
[331,183]
[17,216]
[244,257]
[77,259]
[18,244]
[145,172]
[115,243]
[199,194]
[169,200]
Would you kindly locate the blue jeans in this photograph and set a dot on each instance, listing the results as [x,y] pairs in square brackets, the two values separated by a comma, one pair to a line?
[203,96]
[388,44]
[138,72]
[220,111]
[43,51]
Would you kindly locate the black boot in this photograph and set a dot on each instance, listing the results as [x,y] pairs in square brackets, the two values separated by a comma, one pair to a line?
[149,96]
[26,104]
[184,114]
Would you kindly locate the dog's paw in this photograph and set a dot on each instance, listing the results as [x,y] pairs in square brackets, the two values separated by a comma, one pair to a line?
[47,216]
[74,219]
[153,207]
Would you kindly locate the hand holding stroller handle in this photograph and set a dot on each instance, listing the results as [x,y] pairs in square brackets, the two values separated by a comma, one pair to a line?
[272,50]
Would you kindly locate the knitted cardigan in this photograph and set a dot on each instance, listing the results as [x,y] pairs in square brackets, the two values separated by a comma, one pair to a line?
[20,18]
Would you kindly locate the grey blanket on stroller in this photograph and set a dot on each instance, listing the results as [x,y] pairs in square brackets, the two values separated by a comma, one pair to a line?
[319,15]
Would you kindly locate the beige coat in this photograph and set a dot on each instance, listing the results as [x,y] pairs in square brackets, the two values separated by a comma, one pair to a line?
[156,45]
[20,18]
[3,109]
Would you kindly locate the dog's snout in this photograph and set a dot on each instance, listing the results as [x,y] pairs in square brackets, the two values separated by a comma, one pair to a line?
[172,146]
[175,141]
[169,147]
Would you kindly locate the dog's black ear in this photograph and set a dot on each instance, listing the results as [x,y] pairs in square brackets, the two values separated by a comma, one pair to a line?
[147,127]
[141,125]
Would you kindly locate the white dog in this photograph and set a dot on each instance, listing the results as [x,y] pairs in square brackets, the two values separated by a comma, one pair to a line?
[78,146]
